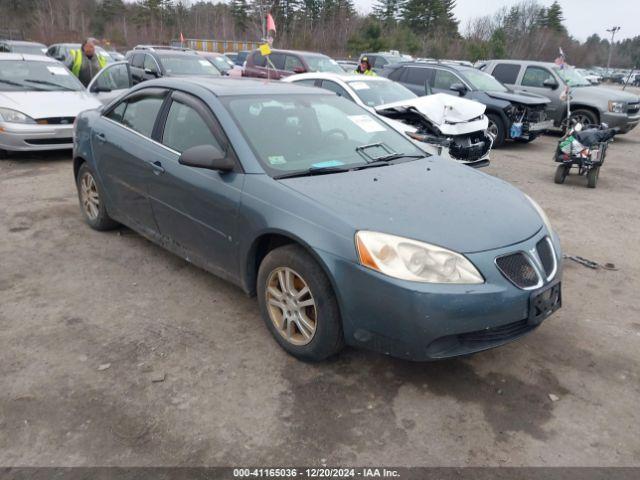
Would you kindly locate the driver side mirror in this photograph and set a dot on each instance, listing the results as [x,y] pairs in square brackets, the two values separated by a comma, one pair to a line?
[206,156]
[458,87]
[550,83]
[96,88]
[299,70]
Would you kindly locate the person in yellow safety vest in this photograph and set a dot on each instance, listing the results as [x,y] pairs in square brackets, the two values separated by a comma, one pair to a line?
[365,68]
[85,62]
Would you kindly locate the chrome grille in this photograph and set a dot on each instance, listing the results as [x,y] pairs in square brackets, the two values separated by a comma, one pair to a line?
[517,268]
[546,255]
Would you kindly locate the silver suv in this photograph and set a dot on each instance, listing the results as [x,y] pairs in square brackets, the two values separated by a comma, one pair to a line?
[589,104]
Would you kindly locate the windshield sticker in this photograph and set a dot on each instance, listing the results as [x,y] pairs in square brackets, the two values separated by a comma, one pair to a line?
[328,163]
[367,123]
[359,86]
[58,70]
[277,160]
[204,63]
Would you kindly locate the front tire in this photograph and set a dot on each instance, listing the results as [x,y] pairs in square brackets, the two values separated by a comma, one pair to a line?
[561,173]
[496,129]
[592,177]
[92,201]
[298,304]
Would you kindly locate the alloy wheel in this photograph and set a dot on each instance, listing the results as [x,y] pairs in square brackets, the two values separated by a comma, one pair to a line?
[89,196]
[291,306]
[492,129]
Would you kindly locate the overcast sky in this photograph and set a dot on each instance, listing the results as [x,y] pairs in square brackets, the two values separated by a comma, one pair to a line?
[582,17]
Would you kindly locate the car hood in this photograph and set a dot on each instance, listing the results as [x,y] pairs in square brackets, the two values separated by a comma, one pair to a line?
[452,115]
[49,104]
[602,93]
[433,200]
[525,98]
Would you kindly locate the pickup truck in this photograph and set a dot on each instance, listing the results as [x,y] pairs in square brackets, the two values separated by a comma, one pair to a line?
[589,104]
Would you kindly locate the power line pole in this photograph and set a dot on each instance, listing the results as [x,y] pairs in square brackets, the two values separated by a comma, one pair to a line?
[612,31]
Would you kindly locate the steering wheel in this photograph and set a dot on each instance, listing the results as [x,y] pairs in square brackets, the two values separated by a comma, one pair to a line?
[336,131]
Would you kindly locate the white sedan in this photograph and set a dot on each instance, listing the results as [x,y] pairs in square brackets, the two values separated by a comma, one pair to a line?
[439,124]
[40,99]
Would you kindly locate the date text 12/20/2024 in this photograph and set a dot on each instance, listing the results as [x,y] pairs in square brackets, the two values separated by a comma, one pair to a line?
[324,472]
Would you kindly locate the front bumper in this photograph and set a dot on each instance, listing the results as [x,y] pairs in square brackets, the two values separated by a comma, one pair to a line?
[30,137]
[623,121]
[432,321]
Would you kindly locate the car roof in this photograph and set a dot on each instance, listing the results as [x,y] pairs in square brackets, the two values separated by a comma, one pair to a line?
[524,62]
[21,42]
[27,57]
[227,87]
[299,52]
[345,77]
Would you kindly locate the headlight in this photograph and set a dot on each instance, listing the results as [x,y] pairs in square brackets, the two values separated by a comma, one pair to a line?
[14,116]
[411,260]
[616,107]
[540,211]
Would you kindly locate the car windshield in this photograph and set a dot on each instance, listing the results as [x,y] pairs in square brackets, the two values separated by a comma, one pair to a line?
[380,92]
[26,76]
[188,65]
[395,59]
[298,132]
[571,77]
[483,81]
[320,63]
[32,49]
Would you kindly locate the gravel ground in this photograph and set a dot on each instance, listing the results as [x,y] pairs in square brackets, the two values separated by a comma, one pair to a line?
[90,322]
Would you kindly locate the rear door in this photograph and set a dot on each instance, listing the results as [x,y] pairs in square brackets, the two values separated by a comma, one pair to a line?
[126,156]
[196,208]
[111,81]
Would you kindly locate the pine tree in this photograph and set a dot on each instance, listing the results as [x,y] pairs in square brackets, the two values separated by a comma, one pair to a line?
[239,12]
[430,16]
[554,18]
[387,11]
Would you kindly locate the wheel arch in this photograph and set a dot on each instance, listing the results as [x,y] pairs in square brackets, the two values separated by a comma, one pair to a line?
[77,163]
[265,243]
[582,106]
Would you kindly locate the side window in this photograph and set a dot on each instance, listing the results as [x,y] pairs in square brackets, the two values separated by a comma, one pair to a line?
[137,60]
[334,87]
[444,79]
[150,63]
[506,73]
[535,77]
[185,128]
[278,61]
[117,113]
[417,76]
[112,78]
[397,74]
[140,114]
[292,62]
[259,60]
[381,62]
[309,82]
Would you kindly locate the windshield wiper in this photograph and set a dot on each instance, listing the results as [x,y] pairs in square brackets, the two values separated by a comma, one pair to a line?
[312,171]
[45,82]
[396,156]
[11,82]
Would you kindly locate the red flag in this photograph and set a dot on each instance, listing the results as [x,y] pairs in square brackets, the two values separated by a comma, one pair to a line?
[181,38]
[271,25]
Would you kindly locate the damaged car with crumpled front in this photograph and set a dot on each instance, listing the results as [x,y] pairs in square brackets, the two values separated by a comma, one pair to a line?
[512,115]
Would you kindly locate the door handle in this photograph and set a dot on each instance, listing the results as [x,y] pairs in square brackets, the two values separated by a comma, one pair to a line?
[157,167]
[101,137]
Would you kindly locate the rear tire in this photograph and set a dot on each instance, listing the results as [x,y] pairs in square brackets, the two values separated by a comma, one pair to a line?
[3,154]
[592,177]
[91,200]
[561,173]
[298,304]
[497,129]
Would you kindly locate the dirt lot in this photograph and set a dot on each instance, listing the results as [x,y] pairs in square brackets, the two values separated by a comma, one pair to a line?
[88,320]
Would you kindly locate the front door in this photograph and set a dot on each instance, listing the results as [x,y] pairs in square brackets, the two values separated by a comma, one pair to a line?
[111,81]
[125,156]
[533,81]
[196,208]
